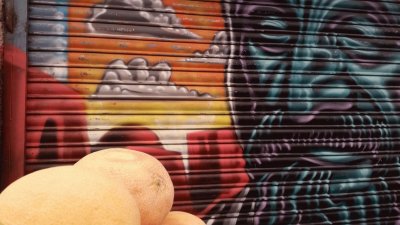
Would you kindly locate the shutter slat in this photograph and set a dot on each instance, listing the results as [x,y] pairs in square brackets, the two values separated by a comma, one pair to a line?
[263,112]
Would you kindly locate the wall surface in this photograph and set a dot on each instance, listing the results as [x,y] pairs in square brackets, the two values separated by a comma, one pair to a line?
[263,111]
[1,69]
[2,18]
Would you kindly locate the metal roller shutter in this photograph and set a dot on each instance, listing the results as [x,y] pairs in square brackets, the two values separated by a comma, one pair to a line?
[263,111]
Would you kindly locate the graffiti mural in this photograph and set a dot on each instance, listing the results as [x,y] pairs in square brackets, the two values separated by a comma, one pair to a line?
[263,111]
[311,79]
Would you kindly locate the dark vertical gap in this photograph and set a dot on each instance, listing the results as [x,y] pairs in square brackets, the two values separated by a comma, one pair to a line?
[1,79]
[49,135]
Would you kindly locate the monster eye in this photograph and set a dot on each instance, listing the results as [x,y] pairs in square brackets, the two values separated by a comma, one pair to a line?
[360,52]
[355,43]
[363,30]
[273,36]
[272,30]
[270,35]
[274,24]
[359,48]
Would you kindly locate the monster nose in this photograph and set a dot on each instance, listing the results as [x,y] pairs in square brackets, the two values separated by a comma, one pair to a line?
[298,85]
[315,83]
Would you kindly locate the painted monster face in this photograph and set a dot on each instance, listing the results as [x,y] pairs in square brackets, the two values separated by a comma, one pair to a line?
[314,106]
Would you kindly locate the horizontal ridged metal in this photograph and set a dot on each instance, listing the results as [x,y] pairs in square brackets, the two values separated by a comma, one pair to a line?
[263,112]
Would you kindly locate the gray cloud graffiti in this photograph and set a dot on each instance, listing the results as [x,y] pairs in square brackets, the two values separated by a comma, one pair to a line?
[138,79]
[156,20]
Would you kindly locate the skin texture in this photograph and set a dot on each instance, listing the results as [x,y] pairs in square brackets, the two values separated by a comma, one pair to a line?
[67,196]
[182,218]
[143,175]
[290,60]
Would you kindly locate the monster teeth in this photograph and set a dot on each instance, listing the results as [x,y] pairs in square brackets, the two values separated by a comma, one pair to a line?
[273,148]
[265,149]
[324,135]
[380,132]
[351,144]
[364,147]
[293,137]
[279,146]
[287,146]
[376,145]
[386,130]
[371,145]
[311,134]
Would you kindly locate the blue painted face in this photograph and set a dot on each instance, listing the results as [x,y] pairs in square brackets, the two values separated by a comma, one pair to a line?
[319,92]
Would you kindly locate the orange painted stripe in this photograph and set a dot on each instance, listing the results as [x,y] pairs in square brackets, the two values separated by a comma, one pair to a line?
[134,46]
[96,60]
[80,29]
[215,22]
